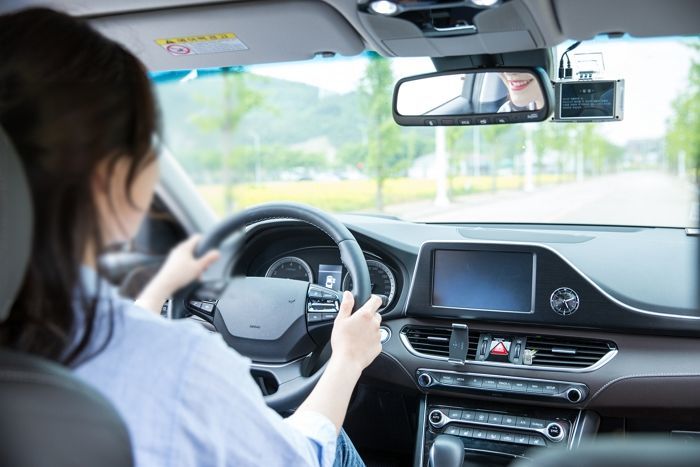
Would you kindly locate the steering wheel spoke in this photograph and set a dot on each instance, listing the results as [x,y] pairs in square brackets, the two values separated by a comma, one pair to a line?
[203,299]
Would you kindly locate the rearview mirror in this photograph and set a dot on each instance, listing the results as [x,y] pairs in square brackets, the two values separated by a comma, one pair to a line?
[473,97]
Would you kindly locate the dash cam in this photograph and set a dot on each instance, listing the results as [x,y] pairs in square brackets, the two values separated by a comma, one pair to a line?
[589,100]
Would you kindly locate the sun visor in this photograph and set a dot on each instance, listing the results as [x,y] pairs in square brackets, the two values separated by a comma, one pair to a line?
[232,34]
[582,20]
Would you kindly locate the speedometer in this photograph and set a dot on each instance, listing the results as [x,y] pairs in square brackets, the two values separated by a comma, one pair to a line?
[381,278]
[290,267]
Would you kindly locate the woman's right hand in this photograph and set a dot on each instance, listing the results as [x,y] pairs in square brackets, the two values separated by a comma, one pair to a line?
[355,339]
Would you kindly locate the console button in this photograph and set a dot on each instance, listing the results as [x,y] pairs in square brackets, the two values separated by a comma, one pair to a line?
[523,422]
[489,383]
[435,416]
[519,386]
[537,423]
[493,436]
[503,385]
[454,414]
[461,381]
[537,441]
[508,420]
[481,417]
[522,439]
[446,379]
[549,388]
[508,437]
[468,415]
[481,434]
[452,430]
[535,388]
[495,419]
[475,381]
[467,432]
[554,430]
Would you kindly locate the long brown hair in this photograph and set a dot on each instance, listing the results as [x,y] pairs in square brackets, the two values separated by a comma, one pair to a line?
[70,99]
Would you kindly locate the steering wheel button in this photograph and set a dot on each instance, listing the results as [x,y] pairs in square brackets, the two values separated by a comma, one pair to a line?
[313,317]
[313,293]
[195,304]
[208,307]
[329,316]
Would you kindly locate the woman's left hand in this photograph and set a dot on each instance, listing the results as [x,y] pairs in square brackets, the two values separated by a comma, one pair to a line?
[180,268]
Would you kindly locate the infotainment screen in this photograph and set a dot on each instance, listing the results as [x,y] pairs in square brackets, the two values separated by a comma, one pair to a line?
[483,280]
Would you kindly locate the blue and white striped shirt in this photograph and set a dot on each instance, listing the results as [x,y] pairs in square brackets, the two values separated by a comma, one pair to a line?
[189,400]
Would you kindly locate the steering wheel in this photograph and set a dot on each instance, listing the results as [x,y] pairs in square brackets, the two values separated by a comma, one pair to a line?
[280,324]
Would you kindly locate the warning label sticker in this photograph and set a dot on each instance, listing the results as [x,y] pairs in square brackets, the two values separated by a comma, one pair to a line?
[202,44]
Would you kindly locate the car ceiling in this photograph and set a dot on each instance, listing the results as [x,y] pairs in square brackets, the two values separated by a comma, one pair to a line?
[285,30]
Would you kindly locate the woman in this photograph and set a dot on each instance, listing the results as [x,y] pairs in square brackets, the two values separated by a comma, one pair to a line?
[524,92]
[81,113]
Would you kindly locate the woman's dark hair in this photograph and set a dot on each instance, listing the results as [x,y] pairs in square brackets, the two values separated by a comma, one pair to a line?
[70,100]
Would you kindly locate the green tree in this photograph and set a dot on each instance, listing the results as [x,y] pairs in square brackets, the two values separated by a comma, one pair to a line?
[683,135]
[238,99]
[386,154]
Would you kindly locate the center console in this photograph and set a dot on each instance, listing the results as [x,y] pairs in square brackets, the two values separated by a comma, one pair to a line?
[496,434]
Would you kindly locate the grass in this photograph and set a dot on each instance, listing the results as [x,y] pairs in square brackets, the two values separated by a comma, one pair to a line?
[357,195]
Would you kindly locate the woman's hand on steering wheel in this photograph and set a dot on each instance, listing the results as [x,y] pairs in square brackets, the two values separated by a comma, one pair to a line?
[355,339]
[180,269]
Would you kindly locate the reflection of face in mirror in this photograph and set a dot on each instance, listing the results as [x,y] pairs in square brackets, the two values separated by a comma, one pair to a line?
[524,92]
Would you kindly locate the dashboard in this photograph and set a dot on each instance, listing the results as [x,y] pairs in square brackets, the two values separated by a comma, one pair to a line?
[596,310]
[514,336]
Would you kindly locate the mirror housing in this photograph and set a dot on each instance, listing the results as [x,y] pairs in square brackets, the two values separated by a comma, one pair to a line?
[481,96]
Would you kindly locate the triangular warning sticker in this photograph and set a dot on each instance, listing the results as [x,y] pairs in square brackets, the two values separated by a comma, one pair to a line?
[499,349]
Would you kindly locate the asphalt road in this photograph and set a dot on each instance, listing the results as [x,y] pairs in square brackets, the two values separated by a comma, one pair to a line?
[633,198]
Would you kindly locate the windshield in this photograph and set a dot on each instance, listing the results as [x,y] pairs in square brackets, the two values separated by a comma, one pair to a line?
[321,132]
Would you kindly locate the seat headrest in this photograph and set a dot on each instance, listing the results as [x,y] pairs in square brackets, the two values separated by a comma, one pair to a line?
[16,221]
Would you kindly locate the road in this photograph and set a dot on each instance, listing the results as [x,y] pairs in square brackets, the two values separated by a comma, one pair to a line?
[632,198]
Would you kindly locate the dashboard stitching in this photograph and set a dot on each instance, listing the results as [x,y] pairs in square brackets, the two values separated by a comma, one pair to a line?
[641,375]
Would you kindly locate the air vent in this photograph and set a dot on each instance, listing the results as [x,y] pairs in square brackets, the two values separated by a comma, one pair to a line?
[556,352]
[432,341]
[565,352]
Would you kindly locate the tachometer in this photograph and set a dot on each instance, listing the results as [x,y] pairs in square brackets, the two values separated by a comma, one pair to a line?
[290,267]
[382,280]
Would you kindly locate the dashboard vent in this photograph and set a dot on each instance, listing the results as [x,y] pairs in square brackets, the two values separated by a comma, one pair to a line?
[435,341]
[565,352]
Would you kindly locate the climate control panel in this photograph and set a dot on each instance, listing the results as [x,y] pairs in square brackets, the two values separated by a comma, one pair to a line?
[478,383]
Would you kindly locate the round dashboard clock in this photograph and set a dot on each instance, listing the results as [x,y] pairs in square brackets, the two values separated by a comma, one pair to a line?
[564,301]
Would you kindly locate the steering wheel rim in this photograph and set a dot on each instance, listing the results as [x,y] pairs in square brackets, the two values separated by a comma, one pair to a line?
[230,318]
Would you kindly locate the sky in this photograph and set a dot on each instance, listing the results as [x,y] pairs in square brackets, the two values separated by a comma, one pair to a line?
[655,72]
